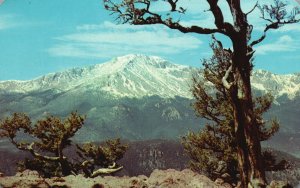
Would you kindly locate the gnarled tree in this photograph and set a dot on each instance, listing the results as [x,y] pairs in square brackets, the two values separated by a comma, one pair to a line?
[104,156]
[141,12]
[213,149]
[50,137]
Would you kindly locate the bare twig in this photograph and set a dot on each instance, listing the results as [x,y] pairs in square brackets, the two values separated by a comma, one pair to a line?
[255,6]
[277,16]
[129,13]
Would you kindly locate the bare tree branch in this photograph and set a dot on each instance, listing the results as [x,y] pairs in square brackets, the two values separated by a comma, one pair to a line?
[34,153]
[129,13]
[277,16]
[219,18]
[254,7]
[224,79]
[111,169]
[173,5]
[86,162]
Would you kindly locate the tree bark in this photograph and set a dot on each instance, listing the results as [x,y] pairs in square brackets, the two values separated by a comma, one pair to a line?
[249,149]
[64,164]
[242,151]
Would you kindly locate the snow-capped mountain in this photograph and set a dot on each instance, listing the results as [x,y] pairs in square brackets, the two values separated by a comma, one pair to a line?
[278,85]
[137,97]
[130,76]
[140,75]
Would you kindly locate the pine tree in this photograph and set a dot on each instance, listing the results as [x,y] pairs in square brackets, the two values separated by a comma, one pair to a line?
[50,137]
[101,156]
[213,150]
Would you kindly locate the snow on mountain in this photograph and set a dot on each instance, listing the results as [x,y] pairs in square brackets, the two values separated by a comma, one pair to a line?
[140,75]
[278,85]
[130,75]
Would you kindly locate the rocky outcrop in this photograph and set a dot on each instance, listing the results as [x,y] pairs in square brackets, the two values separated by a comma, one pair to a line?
[158,178]
[25,179]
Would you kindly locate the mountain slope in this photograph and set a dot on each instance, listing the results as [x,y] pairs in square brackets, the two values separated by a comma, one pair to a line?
[131,76]
[140,75]
[137,97]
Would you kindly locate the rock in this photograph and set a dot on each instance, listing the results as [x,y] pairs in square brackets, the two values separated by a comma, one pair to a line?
[158,178]
[28,173]
[137,182]
[24,179]
[185,179]
[279,184]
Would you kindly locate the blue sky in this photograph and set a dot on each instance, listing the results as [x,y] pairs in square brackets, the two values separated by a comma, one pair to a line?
[42,36]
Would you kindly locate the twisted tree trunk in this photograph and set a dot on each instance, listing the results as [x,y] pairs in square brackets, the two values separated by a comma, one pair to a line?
[64,164]
[246,130]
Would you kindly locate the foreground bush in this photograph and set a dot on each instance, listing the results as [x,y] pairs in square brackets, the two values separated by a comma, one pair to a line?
[49,138]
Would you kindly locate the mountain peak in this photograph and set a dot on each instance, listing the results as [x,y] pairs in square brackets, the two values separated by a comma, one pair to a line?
[137,75]
[141,60]
[132,57]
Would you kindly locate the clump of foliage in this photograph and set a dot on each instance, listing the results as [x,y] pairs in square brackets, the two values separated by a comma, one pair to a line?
[213,150]
[103,156]
[49,139]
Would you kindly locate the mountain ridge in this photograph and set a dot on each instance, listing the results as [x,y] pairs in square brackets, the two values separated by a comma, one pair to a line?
[112,76]
[137,75]
[138,97]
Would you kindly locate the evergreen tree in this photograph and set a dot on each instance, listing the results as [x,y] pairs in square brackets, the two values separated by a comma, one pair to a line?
[104,156]
[50,137]
[213,150]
